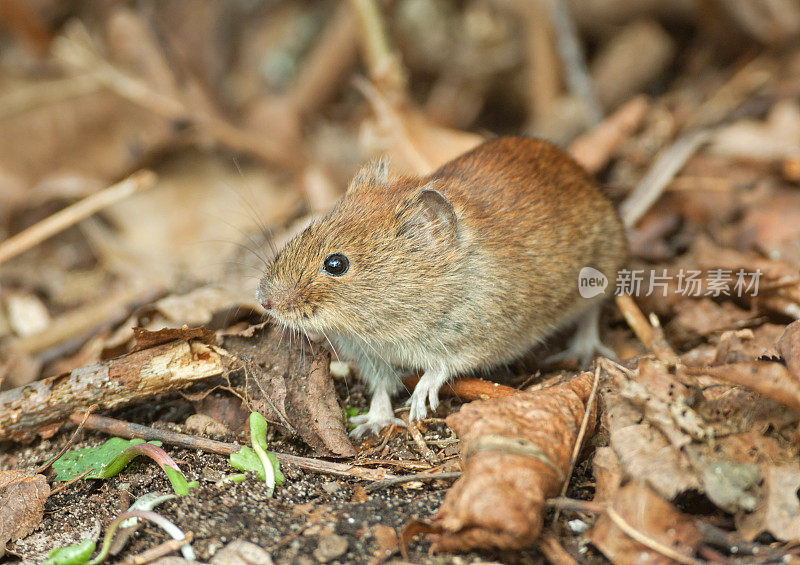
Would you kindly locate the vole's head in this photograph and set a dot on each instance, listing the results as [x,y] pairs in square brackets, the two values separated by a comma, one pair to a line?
[369,266]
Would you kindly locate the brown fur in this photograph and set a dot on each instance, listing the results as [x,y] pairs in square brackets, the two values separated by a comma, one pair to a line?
[424,293]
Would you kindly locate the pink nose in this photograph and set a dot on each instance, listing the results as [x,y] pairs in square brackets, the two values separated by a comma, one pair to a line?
[268,305]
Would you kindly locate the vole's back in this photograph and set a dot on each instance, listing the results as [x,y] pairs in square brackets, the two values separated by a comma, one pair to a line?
[532,219]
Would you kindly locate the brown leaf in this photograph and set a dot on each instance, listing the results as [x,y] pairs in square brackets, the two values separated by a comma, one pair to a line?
[767,378]
[22,499]
[779,511]
[516,452]
[789,348]
[650,515]
[295,391]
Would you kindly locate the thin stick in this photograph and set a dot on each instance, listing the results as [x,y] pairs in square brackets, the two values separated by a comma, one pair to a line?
[382,62]
[159,551]
[647,541]
[652,337]
[62,486]
[74,213]
[64,449]
[659,176]
[128,430]
[385,483]
[576,450]
[576,74]
[574,505]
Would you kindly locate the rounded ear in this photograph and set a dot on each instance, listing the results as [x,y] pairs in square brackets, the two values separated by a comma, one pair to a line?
[429,214]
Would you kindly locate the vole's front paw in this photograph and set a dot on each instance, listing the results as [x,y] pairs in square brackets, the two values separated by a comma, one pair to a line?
[421,394]
[373,423]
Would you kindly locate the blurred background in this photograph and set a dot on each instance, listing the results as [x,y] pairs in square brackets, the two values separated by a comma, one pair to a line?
[255,114]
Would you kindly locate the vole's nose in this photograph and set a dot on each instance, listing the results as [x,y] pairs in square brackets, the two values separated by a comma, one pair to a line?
[268,304]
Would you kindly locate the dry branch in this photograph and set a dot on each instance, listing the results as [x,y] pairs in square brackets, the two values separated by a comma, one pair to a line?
[71,215]
[42,406]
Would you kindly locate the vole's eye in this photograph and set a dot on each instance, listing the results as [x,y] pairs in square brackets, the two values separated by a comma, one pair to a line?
[336,264]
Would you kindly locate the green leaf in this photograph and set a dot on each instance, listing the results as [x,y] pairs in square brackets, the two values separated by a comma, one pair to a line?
[179,483]
[76,554]
[76,462]
[246,460]
[258,430]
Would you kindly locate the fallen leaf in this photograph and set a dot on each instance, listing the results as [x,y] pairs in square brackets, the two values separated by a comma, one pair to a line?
[516,451]
[292,387]
[789,348]
[650,515]
[22,498]
[779,511]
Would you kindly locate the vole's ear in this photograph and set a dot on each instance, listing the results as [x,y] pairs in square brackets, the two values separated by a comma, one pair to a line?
[431,215]
[374,172]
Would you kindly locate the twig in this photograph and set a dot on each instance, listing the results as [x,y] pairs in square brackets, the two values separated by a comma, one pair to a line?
[74,213]
[112,308]
[652,337]
[659,176]
[26,98]
[574,505]
[554,551]
[427,452]
[62,486]
[647,541]
[76,49]
[385,483]
[159,551]
[595,148]
[128,430]
[619,521]
[576,450]
[576,74]
[67,445]
[383,63]
[327,64]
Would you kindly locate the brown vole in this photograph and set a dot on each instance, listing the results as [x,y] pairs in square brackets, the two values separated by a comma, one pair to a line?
[458,271]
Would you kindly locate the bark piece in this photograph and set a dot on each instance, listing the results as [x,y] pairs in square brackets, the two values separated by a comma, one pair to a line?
[42,406]
[516,452]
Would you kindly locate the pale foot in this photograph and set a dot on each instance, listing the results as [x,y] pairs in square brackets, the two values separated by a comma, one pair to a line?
[380,416]
[585,344]
[426,392]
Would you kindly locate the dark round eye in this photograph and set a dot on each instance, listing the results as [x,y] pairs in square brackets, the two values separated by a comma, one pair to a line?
[336,264]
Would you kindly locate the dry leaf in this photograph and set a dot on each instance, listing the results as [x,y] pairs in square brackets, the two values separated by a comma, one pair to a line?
[779,511]
[294,390]
[652,516]
[22,498]
[516,452]
[789,348]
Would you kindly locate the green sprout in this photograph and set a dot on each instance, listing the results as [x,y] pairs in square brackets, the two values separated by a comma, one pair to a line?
[258,459]
[109,459]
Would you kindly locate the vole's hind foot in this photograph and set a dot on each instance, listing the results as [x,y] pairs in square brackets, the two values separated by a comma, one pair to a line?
[380,415]
[585,344]
[369,424]
[426,392]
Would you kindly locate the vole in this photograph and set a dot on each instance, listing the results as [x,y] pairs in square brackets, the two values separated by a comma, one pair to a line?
[455,272]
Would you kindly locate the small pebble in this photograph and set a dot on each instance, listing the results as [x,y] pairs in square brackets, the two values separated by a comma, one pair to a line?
[241,552]
[331,487]
[339,369]
[330,547]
